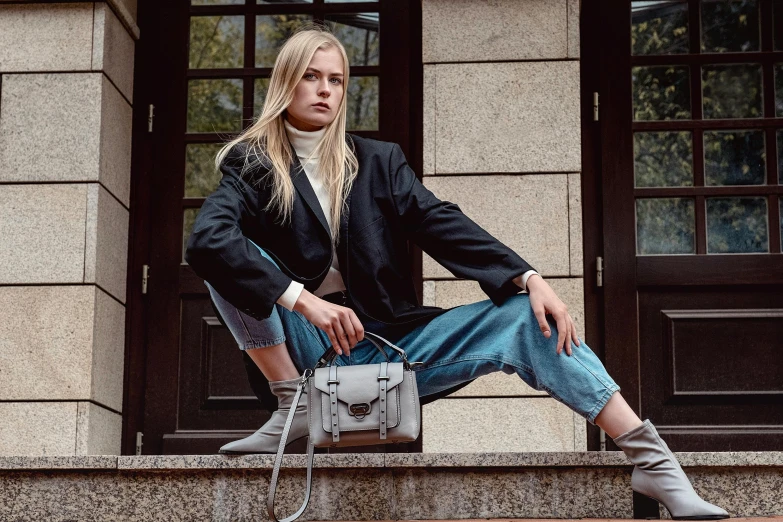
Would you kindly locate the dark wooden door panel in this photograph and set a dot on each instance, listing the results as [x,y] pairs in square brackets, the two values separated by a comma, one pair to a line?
[713,357]
[214,389]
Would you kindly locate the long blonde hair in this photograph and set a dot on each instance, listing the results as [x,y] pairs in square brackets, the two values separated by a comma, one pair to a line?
[267,141]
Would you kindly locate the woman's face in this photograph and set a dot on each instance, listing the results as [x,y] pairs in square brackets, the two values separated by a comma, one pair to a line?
[322,83]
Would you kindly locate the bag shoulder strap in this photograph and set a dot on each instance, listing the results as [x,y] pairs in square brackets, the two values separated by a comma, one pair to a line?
[270,501]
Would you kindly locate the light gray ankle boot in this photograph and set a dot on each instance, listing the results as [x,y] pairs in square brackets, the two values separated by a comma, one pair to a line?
[267,438]
[658,475]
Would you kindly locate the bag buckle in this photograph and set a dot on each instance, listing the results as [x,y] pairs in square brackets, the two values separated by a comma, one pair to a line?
[359,410]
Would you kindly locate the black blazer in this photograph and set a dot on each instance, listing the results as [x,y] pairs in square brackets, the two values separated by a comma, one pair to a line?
[387,206]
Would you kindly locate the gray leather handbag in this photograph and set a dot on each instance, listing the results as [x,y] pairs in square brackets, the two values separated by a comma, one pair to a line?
[355,405]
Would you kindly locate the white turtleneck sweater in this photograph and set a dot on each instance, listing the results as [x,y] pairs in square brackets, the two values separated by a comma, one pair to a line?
[304,142]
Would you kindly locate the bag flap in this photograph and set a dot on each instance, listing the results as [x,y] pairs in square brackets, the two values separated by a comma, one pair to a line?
[359,383]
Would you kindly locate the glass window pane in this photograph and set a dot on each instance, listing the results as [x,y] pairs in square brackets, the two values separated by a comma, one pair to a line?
[779,89]
[659,28]
[216,42]
[665,226]
[734,158]
[731,91]
[661,93]
[260,88]
[663,159]
[737,225]
[201,176]
[362,109]
[358,33]
[729,26]
[187,227]
[214,105]
[272,31]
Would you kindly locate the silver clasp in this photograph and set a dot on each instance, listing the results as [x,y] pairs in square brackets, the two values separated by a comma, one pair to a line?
[359,410]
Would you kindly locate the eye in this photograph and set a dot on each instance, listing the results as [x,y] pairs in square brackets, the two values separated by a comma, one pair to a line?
[308,74]
[339,81]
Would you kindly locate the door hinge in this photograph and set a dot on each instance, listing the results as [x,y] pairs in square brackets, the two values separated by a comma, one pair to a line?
[595,106]
[599,270]
[145,275]
[139,443]
[602,438]
[150,117]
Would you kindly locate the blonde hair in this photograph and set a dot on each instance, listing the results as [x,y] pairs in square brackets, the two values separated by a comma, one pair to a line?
[267,141]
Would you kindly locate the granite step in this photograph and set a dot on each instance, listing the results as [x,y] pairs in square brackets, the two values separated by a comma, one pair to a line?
[736,519]
[371,486]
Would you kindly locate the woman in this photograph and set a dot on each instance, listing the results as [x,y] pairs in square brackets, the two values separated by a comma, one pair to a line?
[304,245]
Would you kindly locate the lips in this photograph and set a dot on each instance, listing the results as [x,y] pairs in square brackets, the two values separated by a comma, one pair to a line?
[324,105]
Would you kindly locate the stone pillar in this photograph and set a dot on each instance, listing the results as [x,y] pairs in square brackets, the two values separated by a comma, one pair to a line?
[66,87]
[502,140]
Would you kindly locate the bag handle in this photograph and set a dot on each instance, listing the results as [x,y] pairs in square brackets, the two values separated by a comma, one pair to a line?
[330,354]
[270,501]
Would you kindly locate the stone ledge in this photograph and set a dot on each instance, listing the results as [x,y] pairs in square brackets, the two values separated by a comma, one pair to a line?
[388,460]
[58,462]
[366,486]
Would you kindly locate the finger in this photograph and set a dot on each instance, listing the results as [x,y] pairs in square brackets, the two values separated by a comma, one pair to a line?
[349,329]
[342,337]
[575,336]
[569,333]
[562,331]
[542,323]
[357,325]
[332,339]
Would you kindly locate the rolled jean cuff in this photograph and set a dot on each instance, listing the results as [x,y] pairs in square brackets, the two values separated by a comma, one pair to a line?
[601,403]
[265,343]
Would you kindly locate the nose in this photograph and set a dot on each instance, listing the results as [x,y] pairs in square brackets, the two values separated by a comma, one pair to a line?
[324,90]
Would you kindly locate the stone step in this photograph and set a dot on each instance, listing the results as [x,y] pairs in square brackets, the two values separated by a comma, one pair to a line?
[371,486]
[737,519]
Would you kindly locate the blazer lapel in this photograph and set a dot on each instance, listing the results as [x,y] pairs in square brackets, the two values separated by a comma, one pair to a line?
[302,184]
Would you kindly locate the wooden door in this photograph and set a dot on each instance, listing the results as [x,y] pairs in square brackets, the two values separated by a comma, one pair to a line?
[205,68]
[691,140]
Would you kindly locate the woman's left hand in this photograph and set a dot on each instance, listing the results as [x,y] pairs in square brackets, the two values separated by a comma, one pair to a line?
[544,301]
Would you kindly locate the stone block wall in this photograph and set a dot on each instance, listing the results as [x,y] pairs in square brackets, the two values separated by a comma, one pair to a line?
[502,140]
[66,94]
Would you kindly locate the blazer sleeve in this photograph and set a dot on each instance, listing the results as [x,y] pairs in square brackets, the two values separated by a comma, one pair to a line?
[219,252]
[454,240]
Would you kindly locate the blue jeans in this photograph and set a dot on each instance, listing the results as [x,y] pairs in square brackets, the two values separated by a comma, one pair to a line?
[463,343]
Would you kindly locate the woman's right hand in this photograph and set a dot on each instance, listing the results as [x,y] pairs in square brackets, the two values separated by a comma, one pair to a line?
[339,322]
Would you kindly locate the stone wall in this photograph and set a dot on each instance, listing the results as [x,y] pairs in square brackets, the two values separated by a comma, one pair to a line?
[502,140]
[66,92]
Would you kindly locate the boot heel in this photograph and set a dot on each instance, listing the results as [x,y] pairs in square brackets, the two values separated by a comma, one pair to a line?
[645,507]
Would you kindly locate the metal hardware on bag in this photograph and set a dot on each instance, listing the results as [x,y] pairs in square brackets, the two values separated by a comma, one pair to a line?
[384,377]
[332,382]
[360,410]
[415,363]
[306,375]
